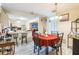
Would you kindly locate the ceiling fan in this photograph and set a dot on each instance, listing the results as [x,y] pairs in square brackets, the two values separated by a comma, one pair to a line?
[55,10]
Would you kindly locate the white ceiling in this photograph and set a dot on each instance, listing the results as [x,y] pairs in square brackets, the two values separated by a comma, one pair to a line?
[32,10]
[29,8]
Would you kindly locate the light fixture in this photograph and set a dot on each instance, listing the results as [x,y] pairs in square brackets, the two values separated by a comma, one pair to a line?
[52,18]
[60,17]
[18,21]
[56,17]
[22,18]
[55,9]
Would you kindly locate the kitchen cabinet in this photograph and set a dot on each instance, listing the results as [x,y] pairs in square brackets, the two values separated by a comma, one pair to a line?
[76,46]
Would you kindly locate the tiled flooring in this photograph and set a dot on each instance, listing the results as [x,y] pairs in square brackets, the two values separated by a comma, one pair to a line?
[27,49]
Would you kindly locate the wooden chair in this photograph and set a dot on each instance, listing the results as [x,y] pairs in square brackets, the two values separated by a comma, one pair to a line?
[7,48]
[37,44]
[59,44]
[54,32]
[24,35]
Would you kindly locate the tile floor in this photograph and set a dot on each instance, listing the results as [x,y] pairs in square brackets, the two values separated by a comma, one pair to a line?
[27,49]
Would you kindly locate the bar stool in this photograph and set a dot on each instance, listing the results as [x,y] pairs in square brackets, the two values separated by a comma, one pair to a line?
[24,36]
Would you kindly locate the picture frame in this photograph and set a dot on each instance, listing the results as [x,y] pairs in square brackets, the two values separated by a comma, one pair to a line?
[65,17]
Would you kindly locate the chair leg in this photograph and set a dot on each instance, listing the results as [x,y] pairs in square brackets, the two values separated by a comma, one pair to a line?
[57,50]
[13,50]
[10,50]
[34,48]
[2,51]
[26,39]
[38,50]
[16,42]
[47,50]
[61,50]
[22,41]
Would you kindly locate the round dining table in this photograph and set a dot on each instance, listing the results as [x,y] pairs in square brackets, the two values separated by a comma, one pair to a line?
[47,40]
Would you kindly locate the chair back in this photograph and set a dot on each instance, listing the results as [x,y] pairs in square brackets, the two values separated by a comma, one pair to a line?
[60,35]
[54,32]
[36,39]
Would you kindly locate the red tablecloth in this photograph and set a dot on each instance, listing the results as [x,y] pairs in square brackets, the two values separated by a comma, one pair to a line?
[48,40]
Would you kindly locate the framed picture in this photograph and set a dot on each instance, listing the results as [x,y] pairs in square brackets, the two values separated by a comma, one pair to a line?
[64,17]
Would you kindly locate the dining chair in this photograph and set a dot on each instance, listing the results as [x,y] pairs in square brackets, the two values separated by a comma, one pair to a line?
[7,48]
[59,43]
[37,44]
[24,35]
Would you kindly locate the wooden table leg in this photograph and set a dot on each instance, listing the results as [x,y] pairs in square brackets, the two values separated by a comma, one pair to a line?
[61,50]
[14,50]
[26,39]
[22,40]
[2,51]
[16,41]
[47,50]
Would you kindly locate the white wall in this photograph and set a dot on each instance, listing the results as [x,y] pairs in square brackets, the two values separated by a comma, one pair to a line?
[51,25]
[64,27]
[4,20]
[61,27]
[48,27]
[42,25]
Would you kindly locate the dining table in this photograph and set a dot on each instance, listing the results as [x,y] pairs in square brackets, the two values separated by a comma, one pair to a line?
[47,40]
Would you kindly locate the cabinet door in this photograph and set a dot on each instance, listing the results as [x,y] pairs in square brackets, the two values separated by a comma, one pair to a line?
[75,46]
